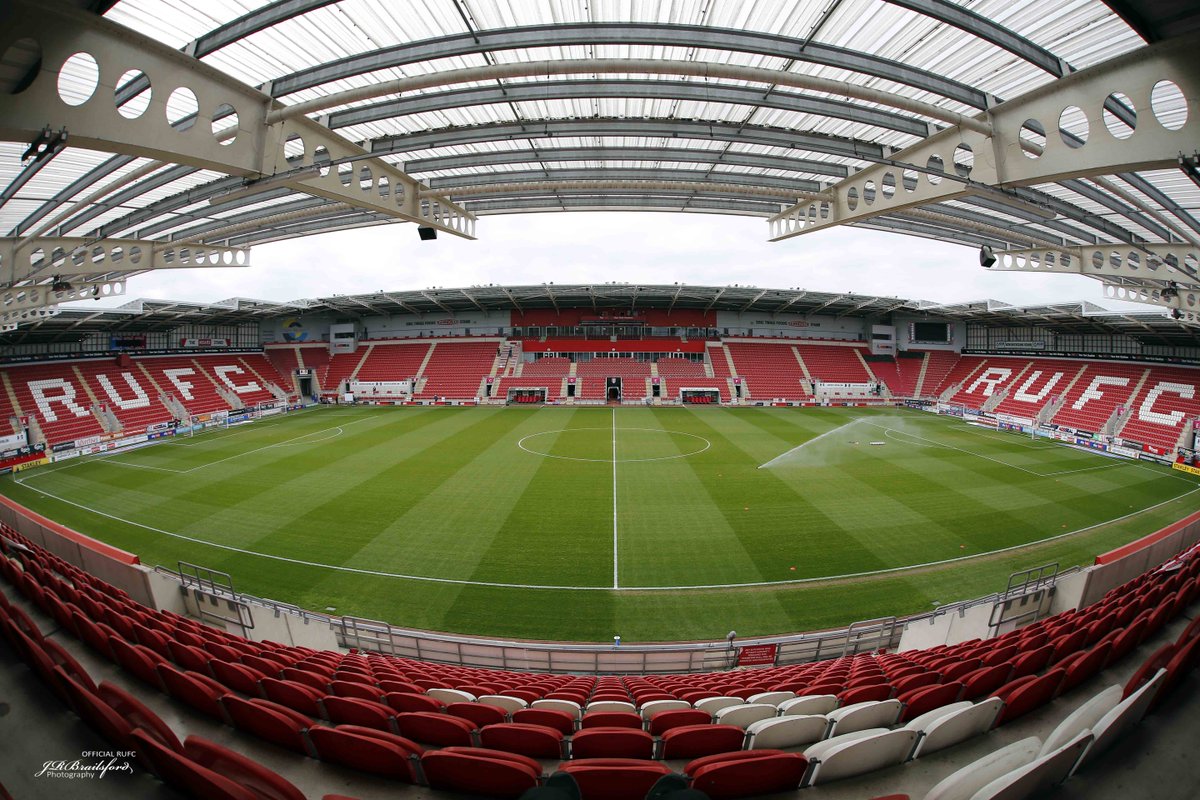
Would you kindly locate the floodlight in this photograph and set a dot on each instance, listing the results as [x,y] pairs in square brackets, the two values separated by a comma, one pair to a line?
[986,257]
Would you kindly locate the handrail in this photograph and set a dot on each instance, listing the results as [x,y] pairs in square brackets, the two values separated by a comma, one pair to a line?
[579,657]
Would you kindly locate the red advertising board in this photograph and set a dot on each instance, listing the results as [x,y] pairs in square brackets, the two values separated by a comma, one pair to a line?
[757,655]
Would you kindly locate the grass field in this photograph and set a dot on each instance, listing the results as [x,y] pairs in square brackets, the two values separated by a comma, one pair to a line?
[583,523]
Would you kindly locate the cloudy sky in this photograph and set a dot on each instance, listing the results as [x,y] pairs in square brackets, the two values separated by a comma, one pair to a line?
[596,247]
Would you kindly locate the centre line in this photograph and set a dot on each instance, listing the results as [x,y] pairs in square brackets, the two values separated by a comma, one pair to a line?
[616,582]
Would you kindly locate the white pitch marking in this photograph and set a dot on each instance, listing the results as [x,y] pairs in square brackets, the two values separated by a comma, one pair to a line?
[523,439]
[616,583]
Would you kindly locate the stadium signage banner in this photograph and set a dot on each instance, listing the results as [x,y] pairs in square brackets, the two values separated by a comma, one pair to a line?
[1117,449]
[207,342]
[1020,345]
[13,440]
[1188,468]
[779,323]
[757,655]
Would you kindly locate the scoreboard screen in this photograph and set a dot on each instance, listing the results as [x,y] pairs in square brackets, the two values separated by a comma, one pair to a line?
[930,332]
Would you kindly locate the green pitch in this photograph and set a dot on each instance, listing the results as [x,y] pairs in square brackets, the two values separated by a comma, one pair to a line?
[578,524]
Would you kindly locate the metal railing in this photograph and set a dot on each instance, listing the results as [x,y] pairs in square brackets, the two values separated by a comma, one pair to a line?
[581,658]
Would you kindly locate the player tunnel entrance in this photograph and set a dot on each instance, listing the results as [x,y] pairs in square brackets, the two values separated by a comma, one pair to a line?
[613,390]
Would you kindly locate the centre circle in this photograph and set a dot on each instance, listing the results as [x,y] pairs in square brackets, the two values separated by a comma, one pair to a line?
[530,444]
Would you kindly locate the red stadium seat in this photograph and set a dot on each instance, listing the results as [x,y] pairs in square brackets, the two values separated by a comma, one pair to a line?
[137,714]
[611,719]
[478,714]
[693,741]
[480,771]
[535,741]
[612,743]
[864,694]
[664,721]
[405,702]
[137,660]
[180,772]
[296,696]
[433,728]
[237,676]
[926,698]
[560,721]
[1032,662]
[1025,696]
[245,772]
[270,721]
[985,680]
[187,657]
[747,773]
[368,750]
[194,689]
[352,711]
[615,778]
[355,689]
[915,681]
[95,712]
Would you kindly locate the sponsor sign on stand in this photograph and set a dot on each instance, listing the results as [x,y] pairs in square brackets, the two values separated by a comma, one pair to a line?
[1188,468]
[757,655]
[1127,452]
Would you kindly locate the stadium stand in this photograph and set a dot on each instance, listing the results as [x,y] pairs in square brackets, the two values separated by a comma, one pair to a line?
[938,366]
[333,374]
[456,368]
[471,746]
[900,375]
[1158,410]
[770,369]
[836,363]
[1040,381]
[393,361]
[53,394]
[593,377]
[1097,393]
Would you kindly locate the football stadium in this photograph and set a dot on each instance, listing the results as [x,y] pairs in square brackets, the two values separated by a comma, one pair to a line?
[585,537]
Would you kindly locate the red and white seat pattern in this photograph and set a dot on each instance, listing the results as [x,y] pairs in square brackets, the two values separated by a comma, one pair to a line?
[1166,402]
[60,395]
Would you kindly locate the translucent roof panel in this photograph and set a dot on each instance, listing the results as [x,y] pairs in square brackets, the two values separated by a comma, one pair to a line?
[702,105]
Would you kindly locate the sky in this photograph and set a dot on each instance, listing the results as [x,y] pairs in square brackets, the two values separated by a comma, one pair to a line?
[596,247]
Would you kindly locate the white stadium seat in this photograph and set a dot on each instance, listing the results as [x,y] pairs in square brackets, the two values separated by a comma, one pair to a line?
[1083,718]
[449,696]
[569,706]
[971,779]
[610,705]
[778,733]
[958,725]
[856,753]
[860,716]
[774,698]
[509,704]
[714,704]
[1116,723]
[809,704]
[652,707]
[1039,777]
[745,714]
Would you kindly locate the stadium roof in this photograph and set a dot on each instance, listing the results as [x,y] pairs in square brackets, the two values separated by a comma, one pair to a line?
[1150,327]
[294,117]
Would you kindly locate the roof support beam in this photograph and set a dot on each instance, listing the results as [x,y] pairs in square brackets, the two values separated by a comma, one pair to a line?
[1156,263]
[629,34]
[631,66]
[621,89]
[296,153]
[684,155]
[1004,160]
[85,258]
